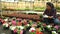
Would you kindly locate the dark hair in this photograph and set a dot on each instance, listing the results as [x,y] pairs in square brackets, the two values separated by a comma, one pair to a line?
[50,4]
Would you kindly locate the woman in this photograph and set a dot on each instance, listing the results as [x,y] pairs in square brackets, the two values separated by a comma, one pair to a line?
[50,13]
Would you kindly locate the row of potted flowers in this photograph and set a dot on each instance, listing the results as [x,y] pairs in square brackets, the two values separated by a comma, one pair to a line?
[33,28]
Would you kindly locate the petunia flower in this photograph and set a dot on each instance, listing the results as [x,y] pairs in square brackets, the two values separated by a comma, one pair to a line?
[28,25]
[49,26]
[56,27]
[54,32]
[32,29]
[21,27]
[6,19]
[12,27]
[5,24]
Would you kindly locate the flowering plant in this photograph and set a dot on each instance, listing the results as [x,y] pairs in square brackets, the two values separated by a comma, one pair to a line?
[32,30]
[54,32]
[5,26]
[12,27]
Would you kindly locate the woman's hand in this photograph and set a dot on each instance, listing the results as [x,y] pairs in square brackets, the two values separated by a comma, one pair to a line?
[50,16]
[45,16]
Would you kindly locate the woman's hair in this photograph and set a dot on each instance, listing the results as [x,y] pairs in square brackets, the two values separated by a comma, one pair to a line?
[50,4]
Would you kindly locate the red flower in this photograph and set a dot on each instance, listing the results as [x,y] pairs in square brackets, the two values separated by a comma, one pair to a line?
[41,32]
[37,32]
[3,21]
[32,31]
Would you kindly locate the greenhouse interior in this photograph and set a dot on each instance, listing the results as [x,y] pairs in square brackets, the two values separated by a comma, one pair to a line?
[29,16]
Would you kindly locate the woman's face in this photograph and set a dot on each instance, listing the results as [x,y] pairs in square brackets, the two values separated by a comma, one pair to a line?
[48,7]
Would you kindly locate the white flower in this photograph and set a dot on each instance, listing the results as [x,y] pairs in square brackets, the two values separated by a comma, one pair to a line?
[21,27]
[28,25]
[5,24]
[6,19]
[54,32]
[18,26]
[49,26]
[32,29]
[12,27]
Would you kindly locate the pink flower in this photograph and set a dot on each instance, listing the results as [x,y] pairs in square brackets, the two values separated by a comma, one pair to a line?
[15,30]
[14,22]
[56,27]
[21,32]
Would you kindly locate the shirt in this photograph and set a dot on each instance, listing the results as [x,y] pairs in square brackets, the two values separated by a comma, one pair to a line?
[51,12]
